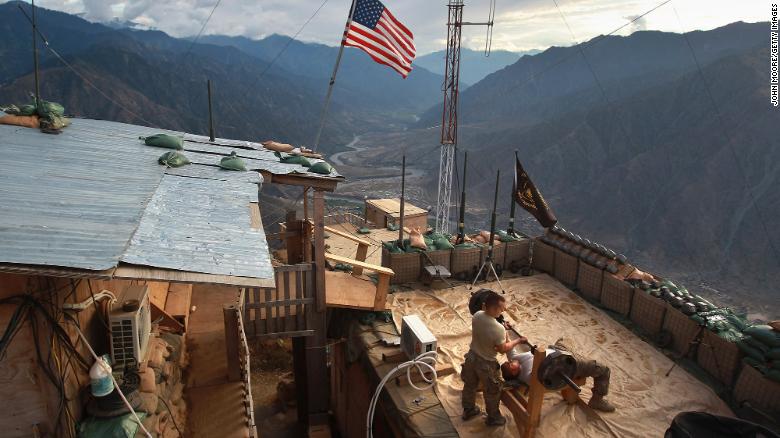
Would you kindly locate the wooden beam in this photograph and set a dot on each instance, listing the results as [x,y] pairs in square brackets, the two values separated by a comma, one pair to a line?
[231,342]
[166,320]
[360,255]
[255,219]
[319,249]
[137,272]
[292,179]
[371,267]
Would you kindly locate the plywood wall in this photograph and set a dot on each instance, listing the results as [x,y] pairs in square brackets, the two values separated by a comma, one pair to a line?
[27,397]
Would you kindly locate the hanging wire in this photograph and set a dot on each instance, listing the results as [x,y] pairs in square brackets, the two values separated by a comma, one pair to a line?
[292,38]
[489,31]
[730,145]
[192,44]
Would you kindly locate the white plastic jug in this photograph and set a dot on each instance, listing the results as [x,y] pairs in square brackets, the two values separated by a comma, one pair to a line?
[100,377]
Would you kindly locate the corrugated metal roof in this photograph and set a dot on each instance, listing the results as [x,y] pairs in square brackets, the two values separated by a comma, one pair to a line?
[201,225]
[73,199]
[76,199]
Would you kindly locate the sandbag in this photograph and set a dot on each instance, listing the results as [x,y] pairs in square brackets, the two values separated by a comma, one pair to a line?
[278,147]
[232,162]
[295,159]
[465,245]
[773,374]
[27,110]
[164,141]
[442,243]
[321,168]
[758,345]
[765,334]
[392,247]
[363,230]
[25,121]
[416,239]
[774,354]
[173,159]
[50,109]
[750,351]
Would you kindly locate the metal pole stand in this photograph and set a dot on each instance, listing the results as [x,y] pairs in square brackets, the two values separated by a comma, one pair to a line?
[487,265]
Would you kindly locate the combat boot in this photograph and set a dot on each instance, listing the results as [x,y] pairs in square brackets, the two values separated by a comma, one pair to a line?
[471,413]
[599,403]
[496,421]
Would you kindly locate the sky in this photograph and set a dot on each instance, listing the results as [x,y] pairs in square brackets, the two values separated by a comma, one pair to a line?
[519,24]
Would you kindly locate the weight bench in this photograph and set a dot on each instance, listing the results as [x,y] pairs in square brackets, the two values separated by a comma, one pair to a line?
[525,403]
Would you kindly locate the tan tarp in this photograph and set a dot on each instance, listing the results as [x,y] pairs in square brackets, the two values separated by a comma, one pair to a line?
[544,310]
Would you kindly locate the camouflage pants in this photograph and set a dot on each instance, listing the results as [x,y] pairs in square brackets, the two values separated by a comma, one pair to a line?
[476,370]
[589,368]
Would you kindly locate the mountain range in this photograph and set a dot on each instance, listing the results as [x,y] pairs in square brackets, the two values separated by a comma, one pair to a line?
[474,64]
[663,146]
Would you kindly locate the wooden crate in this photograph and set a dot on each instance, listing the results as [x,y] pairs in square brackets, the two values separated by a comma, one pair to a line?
[442,258]
[682,328]
[405,265]
[617,295]
[517,253]
[543,256]
[566,268]
[589,281]
[465,260]
[719,357]
[754,388]
[647,312]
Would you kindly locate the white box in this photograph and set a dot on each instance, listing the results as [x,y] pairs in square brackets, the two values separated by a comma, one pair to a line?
[416,339]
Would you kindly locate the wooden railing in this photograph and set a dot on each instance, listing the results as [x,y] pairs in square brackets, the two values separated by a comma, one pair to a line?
[281,311]
[347,217]
[237,350]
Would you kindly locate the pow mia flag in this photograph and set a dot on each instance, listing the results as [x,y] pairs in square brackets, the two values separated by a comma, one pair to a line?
[527,195]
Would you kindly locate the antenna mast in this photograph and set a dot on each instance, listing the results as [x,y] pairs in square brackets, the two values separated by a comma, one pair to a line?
[35,56]
[449,117]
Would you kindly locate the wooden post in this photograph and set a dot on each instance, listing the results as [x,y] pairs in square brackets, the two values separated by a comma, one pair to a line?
[299,371]
[231,342]
[316,354]
[293,240]
[306,227]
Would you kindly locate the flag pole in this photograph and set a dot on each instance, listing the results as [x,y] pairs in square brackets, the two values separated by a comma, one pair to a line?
[333,77]
[511,229]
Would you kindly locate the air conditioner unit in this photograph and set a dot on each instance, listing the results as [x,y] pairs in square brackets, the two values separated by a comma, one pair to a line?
[130,326]
[415,337]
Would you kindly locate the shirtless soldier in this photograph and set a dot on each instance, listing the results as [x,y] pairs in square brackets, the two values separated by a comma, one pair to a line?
[488,339]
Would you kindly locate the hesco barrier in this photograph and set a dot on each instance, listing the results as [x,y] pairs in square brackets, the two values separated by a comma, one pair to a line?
[565,268]
[438,258]
[499,252]
[682,328]
[465,260]
[517,253]
[589,281]
[617,295]
[754,388]
[543,256]
[406,266]
[719,357]
[647,312]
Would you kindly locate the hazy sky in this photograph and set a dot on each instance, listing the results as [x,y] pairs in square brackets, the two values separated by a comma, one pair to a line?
[520,24]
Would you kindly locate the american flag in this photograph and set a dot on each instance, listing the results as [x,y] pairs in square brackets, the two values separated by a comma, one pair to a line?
[375,30]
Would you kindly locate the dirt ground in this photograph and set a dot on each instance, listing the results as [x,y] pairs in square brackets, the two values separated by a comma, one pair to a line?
[271,361]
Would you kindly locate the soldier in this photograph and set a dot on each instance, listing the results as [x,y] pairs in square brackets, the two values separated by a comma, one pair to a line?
[488,339]
[519,368]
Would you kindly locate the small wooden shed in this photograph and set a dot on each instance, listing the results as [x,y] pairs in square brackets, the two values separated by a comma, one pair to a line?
[383,212]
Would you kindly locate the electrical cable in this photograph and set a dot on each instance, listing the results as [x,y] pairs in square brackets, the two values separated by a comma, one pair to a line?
[423,363]
[202,28]
[290,41]
[171,413]
[730,145]
[116,385]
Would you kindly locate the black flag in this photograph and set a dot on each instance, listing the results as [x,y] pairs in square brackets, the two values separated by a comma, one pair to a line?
[530,199]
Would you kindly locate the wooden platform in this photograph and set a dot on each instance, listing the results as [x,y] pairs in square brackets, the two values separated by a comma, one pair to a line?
[345,290]
[215,405]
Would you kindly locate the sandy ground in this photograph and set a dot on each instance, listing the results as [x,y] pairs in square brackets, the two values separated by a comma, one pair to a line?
[544,310]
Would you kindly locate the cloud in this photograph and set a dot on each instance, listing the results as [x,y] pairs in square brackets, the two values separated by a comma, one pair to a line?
[520,24]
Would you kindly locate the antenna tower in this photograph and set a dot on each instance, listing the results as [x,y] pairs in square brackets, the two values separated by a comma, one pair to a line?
[449,117]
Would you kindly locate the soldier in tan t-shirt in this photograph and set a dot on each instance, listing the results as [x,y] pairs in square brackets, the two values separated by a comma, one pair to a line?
[488,339]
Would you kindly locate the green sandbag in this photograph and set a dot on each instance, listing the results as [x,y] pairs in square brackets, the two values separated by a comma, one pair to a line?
[442,243]
[758,345]
[465,246]
[363,230]
[765,334]
[173,159]
[429,243]
[321,168]
[773,375]
[345,267]
[750,351]
[232,162]
[774,354]
[164,141]
[50,109]
[27,110]
[392,227]
[296,159]
[392,247]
